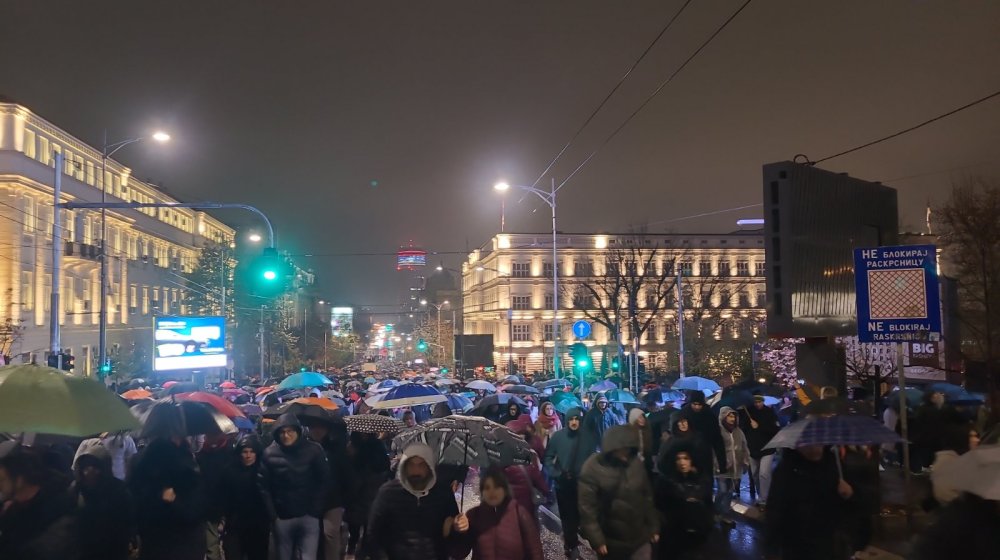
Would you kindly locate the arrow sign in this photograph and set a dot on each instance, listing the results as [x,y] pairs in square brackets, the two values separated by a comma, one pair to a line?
[582,329]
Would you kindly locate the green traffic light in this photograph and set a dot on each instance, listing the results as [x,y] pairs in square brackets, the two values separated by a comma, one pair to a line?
[270,275]
[582,363]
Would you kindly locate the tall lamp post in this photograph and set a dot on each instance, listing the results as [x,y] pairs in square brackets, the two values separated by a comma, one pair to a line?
[549,198]
[108,150]
[438,306]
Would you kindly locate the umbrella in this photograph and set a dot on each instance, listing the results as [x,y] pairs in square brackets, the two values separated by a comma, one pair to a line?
[621,396]
[265,390]
[499,399]
[243,423]
[305,407]
[512,379]
[369,380]
[227,385]
[553,384]
[458,403]
[169,384]
[665,395]
[136,394]
[410,394]
[196,418]
[520,389]
[385,385]
[602,386]
[214,401]
[955,394]
[976,472]
[565,401]
[372,424]
[47,401]
[440,382]
[182,387]
[251,410]
[324,403]
[911,395]
[695,383]
[303,380]
[468,440]
[735,398]
[844,429]
[480,385]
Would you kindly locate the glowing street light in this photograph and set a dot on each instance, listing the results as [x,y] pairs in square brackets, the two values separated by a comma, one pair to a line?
[254,238]
[161,136]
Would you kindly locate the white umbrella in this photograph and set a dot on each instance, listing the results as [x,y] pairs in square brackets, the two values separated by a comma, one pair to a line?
[480,385]
[976,472]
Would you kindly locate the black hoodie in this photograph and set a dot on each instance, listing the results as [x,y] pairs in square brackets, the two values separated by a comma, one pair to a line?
[293,479]
[105,512]
[244,504]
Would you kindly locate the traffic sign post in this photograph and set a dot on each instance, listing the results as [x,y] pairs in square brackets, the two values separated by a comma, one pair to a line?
[582,329]
[898,301]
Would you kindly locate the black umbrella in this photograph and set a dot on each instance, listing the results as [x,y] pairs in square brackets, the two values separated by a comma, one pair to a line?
[499,399]
[468,440]
[520,389]
[183,387]
[302,411]
[167,417]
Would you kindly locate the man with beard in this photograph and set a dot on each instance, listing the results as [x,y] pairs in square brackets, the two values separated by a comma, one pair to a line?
[412,515]
[293,478]
[104,506]
[564,458]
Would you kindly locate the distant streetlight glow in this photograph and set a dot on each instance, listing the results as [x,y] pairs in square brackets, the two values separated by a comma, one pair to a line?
[423,302]
[161,136]
[254,238]
[501,186]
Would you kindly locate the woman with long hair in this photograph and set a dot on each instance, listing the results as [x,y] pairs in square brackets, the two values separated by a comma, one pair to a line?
[499,528]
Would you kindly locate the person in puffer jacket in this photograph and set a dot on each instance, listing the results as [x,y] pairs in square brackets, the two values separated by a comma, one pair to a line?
[617,515]
[105,511]
[293,477]
[499,528]
[737,459]
[412,515]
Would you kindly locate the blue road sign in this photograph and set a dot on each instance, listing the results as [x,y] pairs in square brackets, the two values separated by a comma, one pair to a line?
[897,293]
[582,329]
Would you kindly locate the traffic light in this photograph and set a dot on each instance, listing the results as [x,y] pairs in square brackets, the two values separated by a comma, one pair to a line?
[106,369]
[582,363]
[53,361]
[67,361]
[421,345]
[269,273]
[616,364]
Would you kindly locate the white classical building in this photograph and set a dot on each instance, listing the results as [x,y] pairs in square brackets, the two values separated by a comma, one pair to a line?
[149,250]
[507,290]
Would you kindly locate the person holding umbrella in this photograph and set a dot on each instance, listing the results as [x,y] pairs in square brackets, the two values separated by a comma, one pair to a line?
[412,515]
[36,516]
[247,525]
[499,528]
[759,424]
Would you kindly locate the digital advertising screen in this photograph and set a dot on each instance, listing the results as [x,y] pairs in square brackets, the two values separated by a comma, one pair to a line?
[189,343]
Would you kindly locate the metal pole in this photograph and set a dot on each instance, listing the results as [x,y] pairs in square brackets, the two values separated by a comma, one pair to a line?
[261,333]
[680,319]
[305,332]
[503,211]
[440,358]
[55,344]
[102,318]
[555,286]
[904,430]
[325,348]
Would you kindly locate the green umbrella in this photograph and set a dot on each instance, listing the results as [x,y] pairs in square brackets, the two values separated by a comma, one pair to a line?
[564,401]
[47,401]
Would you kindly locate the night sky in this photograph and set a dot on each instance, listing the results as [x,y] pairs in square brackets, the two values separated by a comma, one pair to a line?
[360,126]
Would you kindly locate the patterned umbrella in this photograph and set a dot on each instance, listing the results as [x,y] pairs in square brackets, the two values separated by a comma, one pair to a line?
[468,440]
[565,401]
[304,379]
[385,385]
[372,424]
[409,394]
[846,429]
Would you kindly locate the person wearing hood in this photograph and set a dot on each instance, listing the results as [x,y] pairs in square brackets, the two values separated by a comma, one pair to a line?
[601,417]
[370,469]
[705,424]
[247,523]
[293,478]
[760,424]
[682,495]
[332,437]
[564,458]
[637,421]
[105,513]
[513,413]
[168,490]
[37,520]
[617,515]
[412,515]
[682,435]
[737,458]
[499,528]
[122,448]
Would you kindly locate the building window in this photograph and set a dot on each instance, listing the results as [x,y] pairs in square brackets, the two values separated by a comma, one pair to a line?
[547,269]
[29,143]
[688,298]
[44,154]
[29,215]
[583,301]
[145,300]
[133,298]
[706,299]
[548,301]
[611,268]
[583,268]
[547,363]
[522,363]
[522,332]
[744,299]
[724,268]
[68,295]
[743,268]
[668,268]
[27,290]
[47,289]
[548,332]
[670,329]
[759,268]
[705,268]
[521,270]
[761,298]
[725,298]
[687,268]
[650,299]
[521,303]
[651,332]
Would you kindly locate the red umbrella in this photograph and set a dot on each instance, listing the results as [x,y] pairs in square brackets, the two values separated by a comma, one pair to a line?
[169,384]
[227,385]
[215,401]
[262,390]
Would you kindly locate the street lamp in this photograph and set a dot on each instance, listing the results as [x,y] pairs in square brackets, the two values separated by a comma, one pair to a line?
[254,238]
[107,151]
[548,198]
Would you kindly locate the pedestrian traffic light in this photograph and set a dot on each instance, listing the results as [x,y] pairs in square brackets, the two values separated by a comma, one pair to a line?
[67,361]
[106,369]
[616,364]
[582,363]
[421,345]
[270,273]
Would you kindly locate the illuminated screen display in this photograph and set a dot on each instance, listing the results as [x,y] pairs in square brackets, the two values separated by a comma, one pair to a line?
[410,259]
[189,343]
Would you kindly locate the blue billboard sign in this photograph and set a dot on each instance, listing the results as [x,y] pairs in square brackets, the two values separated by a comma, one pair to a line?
[897,293]
[189,343]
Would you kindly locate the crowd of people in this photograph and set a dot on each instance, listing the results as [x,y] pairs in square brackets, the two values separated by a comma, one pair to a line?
[636,482]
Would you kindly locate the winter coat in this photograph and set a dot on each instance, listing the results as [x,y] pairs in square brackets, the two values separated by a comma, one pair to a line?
[804,512]
[341,480]
[105,513]
[659,425]
[524,480]
[213,464]
[737,453]
[767,428]
[931,424]
[168,530]
[596,422]
[566,453]
[706,425]
[691,441]
[505,532]
[369,465]
[683,499]
[44,528]
[616,501]
[293,479]
[408,524]
[968,527]
[244,506]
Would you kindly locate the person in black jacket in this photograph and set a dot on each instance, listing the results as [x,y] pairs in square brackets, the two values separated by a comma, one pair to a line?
[682,495]
[760,424]
[706,424]
[293,478]
[247,524]
[370,469]
[37,520]
[213,459]
[332,436]
[167,488]
[683,436]
[105,513]
[412,515]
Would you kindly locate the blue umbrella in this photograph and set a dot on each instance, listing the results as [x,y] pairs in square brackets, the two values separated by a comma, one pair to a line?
[410,394]
[955,394]
[846,429]
[459,404]
[553,384]
[621,396]
[385,385]
[369,380]
[303,380]
[912,396]
[602,386]
[695,383]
